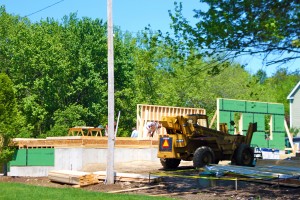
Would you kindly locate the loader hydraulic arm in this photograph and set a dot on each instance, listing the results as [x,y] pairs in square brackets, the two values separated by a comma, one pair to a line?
[251,129]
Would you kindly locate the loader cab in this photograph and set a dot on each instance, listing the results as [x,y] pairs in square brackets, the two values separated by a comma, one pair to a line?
[223,127]
[198,119]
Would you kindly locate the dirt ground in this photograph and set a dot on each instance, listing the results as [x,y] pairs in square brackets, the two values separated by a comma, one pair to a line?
[175,184]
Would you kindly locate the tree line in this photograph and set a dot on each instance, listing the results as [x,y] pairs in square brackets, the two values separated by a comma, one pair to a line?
[53,76]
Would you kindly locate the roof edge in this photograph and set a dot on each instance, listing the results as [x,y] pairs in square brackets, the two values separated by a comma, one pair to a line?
[291,95]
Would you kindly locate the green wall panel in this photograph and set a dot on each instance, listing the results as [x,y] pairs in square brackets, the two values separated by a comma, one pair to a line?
[259,140]
[33,157]
[278,141]
[247,118]
[260,119]
[257,107]
[228,104]
[255,112]
[278,123]
[224,117]
[19,158]
[275,108]
[41,157]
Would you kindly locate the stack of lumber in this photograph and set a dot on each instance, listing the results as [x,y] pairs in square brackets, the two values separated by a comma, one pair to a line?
[129,177]
[73,177]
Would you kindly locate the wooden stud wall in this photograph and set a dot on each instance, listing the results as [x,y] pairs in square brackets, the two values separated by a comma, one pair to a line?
[146,113]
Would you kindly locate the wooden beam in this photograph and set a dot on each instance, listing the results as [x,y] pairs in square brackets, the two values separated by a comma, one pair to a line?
[213,119]
[290,136]
[130,177]
[134,189]
[174,193]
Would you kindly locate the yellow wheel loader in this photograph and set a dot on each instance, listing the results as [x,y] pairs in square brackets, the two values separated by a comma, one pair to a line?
[188,138]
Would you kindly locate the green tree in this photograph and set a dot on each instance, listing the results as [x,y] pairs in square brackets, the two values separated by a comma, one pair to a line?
[59,74]
[228,29]
[56,65]
[279,86]
[8,113]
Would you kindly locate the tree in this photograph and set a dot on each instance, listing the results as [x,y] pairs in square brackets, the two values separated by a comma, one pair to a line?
[55,66]
[279,86]
[8,113]
[228,29]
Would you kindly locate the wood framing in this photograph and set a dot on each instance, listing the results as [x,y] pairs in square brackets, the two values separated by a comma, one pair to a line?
[146,113]
[80,141]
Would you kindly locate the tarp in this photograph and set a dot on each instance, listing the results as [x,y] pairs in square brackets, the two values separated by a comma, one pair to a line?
[253,172]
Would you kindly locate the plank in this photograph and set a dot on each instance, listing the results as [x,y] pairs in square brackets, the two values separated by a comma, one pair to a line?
[129,177]
[134,189]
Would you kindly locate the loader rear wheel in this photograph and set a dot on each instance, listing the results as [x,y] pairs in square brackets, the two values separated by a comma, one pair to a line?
[203,156]
[170,163]
[244,155]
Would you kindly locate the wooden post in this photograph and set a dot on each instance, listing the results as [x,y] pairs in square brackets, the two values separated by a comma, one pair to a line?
[111,98]
[289,136]
[236,184]
[116,131]
[213,119]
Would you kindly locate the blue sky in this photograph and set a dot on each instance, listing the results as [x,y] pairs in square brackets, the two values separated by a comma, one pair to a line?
[130,15]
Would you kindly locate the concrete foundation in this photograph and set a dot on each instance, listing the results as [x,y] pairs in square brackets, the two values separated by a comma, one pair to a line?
[33,171]
[78,158]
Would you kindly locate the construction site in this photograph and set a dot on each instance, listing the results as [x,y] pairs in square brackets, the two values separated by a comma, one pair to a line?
[79,159]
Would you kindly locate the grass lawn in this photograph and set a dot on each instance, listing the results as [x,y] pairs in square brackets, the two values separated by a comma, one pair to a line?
[19,191]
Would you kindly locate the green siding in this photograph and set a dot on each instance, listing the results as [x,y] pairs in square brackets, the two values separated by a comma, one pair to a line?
[275,108]
[19,158]
[247,118]
[40,157]
[259,140]
[238,106]
[278,123]
[277,143]
[260,119]
[33,157]
[226,117]
[257,107]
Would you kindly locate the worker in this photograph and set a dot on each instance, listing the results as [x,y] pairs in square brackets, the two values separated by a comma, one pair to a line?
[152,127]
[106,128]
[134,133]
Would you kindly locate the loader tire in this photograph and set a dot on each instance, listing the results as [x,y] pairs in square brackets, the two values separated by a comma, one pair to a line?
[203,156]
[170,163]
[244,155]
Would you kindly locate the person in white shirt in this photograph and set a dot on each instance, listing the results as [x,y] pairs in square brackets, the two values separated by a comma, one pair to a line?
[152,127]
[134,133]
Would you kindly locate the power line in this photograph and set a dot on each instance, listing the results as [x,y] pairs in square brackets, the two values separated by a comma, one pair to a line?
[132,32]
[44,8]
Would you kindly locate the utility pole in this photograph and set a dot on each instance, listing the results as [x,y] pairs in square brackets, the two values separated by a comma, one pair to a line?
[111,98]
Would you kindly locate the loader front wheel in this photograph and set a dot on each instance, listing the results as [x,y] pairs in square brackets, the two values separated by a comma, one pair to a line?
[203,156]
[170,163]
[244,155]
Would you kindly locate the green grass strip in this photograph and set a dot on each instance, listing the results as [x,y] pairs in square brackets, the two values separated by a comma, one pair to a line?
[17,191]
